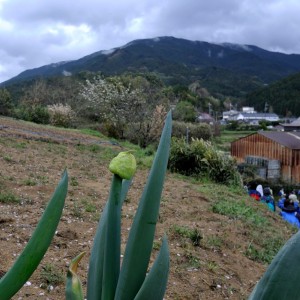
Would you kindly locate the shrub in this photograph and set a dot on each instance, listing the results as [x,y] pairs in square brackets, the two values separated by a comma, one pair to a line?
[201,158]
[36,113]
[194,131]
[61,115]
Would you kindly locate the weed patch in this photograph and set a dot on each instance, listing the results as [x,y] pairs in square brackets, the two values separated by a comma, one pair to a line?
[267,251]
[51,275]
[239,210]
[8,197]
[193,234]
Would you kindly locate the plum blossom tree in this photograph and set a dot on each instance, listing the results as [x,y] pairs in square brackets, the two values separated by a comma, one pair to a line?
[115,102]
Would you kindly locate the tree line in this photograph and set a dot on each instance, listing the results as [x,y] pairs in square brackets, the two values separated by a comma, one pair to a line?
[129,106]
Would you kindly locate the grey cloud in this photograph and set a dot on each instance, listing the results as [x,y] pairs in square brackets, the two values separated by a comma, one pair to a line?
[41,32]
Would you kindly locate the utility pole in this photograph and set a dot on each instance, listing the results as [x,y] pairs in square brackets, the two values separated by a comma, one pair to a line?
[209,109]
[266,107]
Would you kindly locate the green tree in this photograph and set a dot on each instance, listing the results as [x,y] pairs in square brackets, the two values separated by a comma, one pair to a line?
[5,102]
[185,111]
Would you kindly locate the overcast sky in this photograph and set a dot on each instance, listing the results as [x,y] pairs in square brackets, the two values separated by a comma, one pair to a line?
[38,32]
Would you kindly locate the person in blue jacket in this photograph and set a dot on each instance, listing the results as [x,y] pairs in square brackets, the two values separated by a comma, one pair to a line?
[289,212]
[268,199]
[291,196]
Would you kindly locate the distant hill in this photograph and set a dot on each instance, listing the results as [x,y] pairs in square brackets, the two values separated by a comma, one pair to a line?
[282,96]
[224,69]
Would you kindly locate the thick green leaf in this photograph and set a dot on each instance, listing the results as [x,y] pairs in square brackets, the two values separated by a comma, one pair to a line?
[281,280]
[112,242]
[155,283]
[140,240]
[73,285]
[95,274]
[37,246]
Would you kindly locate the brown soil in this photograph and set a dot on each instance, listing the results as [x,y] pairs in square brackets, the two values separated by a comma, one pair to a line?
[32,159]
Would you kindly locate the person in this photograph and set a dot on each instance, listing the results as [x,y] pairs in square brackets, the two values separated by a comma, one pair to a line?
[259,188]
[289,195]
[281,192]
[289,212]
[294,198]
[268,199]
[280,202]
[252,192]
[271,191]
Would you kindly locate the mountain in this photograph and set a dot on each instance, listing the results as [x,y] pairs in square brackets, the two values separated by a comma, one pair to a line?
[282,96]
[224,69]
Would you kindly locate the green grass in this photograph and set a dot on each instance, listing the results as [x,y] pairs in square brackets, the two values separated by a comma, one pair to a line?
[74,181]
[240,210]
[191,233]
[192,261]
[144,156]
[88,206]
[214,242]
[212,266]
[216,191]
[29,182]
[51,275]
[93,132]
[223,141]
[262,240]
[76,210]
[7,158]
[21,145]
[8,197]
[267,251]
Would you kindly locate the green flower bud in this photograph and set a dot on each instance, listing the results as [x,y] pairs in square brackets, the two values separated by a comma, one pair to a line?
[124,165]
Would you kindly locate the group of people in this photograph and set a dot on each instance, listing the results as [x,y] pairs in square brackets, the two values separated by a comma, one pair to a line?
[288,202]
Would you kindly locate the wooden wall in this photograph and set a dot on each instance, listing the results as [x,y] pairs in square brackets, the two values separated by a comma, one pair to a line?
[259,145]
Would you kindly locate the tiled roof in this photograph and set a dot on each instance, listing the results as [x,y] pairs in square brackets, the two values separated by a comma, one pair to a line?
[293,124]
[287,139]
[259,115]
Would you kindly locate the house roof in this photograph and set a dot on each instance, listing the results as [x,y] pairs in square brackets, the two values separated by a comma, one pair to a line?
[259,115]
[205,116]
[295,123]
[288,139]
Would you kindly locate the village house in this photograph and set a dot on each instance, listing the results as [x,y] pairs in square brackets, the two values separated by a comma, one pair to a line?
[254,118]
[205,118]
[293,126]
[249,115]
[279,150]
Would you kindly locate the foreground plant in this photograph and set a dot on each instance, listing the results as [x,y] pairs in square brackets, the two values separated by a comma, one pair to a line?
[38,244]
[107,279]
[281,280]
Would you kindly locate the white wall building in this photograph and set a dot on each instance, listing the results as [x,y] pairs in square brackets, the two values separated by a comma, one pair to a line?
[254,117]
[247,109]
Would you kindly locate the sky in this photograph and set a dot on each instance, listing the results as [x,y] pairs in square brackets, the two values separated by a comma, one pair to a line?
[34,33]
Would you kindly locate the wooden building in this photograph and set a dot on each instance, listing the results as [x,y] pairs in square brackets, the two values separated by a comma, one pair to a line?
[281,146]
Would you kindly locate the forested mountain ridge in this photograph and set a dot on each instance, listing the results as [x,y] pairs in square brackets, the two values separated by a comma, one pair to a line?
[282,96]
[224,69]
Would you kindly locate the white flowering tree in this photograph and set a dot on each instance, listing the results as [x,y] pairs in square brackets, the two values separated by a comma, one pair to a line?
[61,114]
[115,102]
[128,106]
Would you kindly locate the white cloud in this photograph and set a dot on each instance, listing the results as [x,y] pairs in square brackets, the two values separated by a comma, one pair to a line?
[38,32]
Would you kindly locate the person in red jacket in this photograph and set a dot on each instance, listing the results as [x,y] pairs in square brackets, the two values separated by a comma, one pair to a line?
[252,192]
